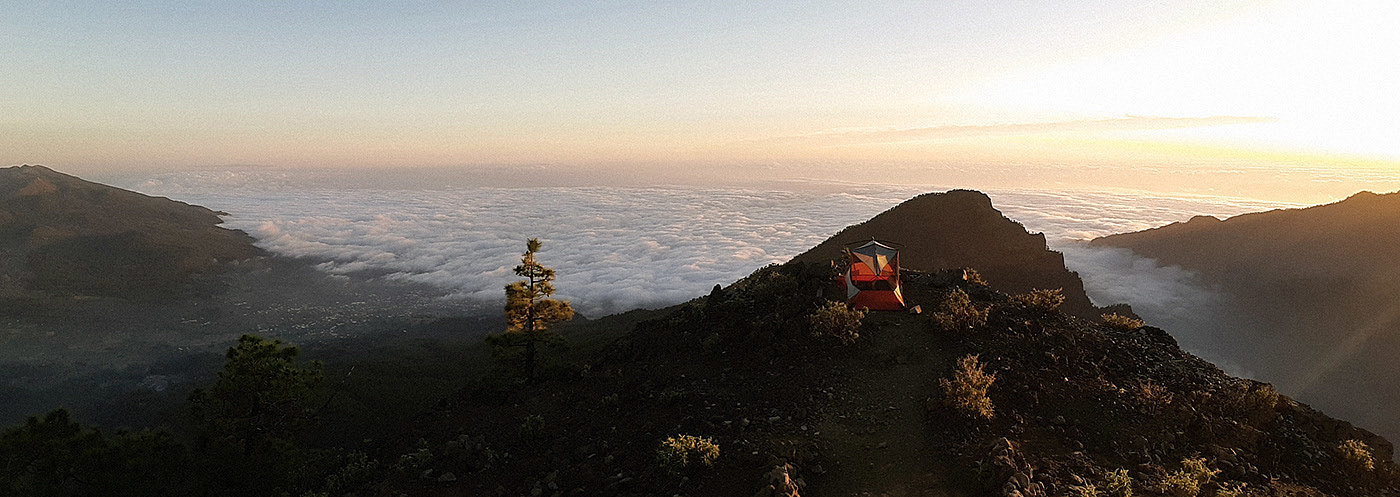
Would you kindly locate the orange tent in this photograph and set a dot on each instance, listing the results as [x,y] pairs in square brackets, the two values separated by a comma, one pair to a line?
[872,280]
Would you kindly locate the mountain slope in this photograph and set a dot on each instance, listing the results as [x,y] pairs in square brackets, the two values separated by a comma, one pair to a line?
[64,236]
[1308,297]
[1073,402]
[960,228]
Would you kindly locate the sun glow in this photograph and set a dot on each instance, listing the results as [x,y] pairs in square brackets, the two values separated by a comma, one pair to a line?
[1322,73]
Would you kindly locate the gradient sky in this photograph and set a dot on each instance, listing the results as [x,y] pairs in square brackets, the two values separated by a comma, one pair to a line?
[134,85]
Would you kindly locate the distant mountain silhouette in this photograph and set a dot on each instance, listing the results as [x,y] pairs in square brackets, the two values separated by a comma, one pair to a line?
[63,236]
[960,228]
[1310,297]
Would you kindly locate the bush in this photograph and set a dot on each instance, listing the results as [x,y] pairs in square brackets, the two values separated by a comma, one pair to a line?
[967,391]
[1357,453]
[1231,490]
[1043,300]
[1125,323]
[1085,490]
[957,311]
[836,320]
[972,276]
[1118,484]
[682,452]
[1255,402]
[1153,395]
[532,429]
[1187,481]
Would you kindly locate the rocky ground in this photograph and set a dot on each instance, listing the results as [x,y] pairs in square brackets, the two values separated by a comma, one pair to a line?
[1075,405]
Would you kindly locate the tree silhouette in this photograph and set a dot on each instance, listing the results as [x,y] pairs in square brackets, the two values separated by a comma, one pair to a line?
[250,419]
[529,310]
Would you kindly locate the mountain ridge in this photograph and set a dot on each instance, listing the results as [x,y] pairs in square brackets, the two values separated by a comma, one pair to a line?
[65,237]
[962,228]
[1304,297]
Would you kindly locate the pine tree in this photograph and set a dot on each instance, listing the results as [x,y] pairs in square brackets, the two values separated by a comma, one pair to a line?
[529,310]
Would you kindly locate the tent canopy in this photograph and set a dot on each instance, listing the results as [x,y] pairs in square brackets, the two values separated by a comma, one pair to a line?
[873,277]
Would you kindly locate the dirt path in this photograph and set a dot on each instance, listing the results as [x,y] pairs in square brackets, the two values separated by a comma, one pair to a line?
[876,432]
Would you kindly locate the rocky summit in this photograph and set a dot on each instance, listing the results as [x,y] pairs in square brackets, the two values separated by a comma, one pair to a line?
[63,236]
[961,228]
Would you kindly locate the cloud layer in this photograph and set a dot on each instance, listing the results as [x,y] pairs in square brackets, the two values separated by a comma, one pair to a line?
[617,248]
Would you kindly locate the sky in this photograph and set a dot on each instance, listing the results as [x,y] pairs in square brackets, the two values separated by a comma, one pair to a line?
[657,85]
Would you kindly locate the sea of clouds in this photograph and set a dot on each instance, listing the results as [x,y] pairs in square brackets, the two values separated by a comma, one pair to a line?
[618,248]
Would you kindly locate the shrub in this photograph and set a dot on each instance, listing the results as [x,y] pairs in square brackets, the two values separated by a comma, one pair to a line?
[415,462]
[967,391]
[682,452]
[836,320]
[1118,484]
[1181,484]
[1231,490]
[1153,395]
[1125,323]
[1187,481]
[1255,402]
[532,428]
[710,342]
[1086,490]
[957,311]
[1043,300]
[1357,453]
[972,276]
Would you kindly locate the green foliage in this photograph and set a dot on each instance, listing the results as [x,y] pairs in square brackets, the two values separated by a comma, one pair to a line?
[836,320]
[683,452]
[530,311]
[1042,300]
[356,471]
[967,391]
[1357,454]
[1114,320]
[55,455]
[956,311]
[248,422]
[1118,484]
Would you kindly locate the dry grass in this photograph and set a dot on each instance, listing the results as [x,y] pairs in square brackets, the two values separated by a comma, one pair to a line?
[1118,484]
[1042,300]
[1357,453]
[836,320]
[682,452]
[957,311]
[1187,481]
[1122,322]
[967,391]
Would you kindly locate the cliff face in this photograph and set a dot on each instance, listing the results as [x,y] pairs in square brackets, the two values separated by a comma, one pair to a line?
[64,236]
[1308,297]
[960,228]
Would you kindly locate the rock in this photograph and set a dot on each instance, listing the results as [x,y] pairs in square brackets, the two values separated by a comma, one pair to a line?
[781,483]
[447,477]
